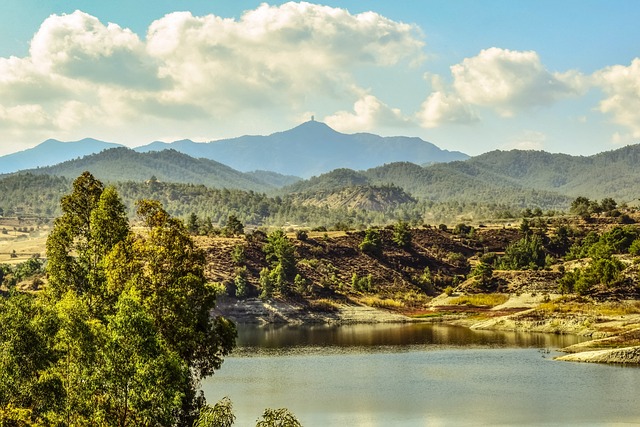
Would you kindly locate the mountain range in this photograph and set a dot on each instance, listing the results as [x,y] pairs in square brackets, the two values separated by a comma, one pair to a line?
[309,149]
[498,179]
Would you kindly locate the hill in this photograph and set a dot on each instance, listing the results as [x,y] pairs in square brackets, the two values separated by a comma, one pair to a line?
[310,149]
[51,152]
[123,164]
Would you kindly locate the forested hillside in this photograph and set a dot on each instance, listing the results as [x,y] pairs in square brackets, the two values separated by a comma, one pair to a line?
[123,164]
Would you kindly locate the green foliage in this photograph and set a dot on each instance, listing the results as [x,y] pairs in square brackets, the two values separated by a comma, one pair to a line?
[606,271]
[618,240]
[372,243]
[484,273]
[402,234]
[233,227]
[218,415]
[526,253]
[278,418]
[240,281]
[280,251]
[238,255]
[300,285]
[362,284]
[124,333]
[266,284]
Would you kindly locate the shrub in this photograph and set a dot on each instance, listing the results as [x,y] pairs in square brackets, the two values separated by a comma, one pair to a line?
[402,234]
[238,255]
[372,243]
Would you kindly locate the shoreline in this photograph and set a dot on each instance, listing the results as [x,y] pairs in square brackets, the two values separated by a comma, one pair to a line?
[614,340]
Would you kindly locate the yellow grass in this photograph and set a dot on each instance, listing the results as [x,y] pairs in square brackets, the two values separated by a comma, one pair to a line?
[595,309]
[374,301]
[480,300]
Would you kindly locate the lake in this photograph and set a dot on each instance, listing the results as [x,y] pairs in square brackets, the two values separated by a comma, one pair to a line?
[420,375]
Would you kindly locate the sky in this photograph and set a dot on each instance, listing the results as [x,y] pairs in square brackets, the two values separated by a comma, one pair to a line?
[467,75]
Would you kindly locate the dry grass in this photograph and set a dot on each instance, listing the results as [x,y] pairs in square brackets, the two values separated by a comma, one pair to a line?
[480,300]
[589,308]
[324,305]
[389,303]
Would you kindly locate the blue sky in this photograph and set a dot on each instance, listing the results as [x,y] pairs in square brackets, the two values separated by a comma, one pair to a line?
[473,75]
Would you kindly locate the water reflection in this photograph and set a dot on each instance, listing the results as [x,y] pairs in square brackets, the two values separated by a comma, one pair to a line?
[419,375]
[384,337]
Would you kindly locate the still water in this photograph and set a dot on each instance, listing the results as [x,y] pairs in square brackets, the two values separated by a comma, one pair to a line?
[420,375]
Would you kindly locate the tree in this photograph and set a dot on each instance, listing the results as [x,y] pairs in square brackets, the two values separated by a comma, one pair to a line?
[484,273]
[582,207]
[402,234]
[93,222]
[133,333]
[218,415]
[173,287]
[233,227]
[278,418]
[141,379]
[526,253]
[280,251]
[372,243]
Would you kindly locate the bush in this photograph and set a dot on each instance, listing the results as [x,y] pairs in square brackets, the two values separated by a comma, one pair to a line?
[402,234]
[238,255]
[372,243]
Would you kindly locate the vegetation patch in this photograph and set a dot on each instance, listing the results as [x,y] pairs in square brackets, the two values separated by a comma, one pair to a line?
[480,300]
[388,303]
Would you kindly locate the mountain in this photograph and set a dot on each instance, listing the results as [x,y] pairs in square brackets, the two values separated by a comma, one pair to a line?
[123,164]
[51,152]
[310,149]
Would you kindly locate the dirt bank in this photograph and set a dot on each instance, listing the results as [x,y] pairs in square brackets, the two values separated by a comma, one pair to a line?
[627,355]
[256,311]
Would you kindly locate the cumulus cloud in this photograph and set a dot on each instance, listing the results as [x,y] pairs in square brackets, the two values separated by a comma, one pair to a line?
[368,112]
[274,58]
[442,108]
[621,85]
[510,81]
[274,55]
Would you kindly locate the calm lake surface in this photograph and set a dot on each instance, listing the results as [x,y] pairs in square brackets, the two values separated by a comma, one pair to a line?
[420,375]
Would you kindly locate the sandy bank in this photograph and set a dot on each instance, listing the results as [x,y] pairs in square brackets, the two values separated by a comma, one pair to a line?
[627,355]
[256,311]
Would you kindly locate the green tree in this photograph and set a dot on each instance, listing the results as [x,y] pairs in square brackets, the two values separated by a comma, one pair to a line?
[233,227]
[280,251]
[484,273]
[526,253]
[402,234]
[142,381]
[218,415]
[372,243]
[278,418]
[93,222]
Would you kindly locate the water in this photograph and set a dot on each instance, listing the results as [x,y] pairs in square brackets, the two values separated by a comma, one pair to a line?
[420,375]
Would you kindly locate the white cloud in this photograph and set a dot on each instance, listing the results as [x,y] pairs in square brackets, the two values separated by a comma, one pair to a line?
[442,108]
[509,81]
[81,73]
[368,112]
[621,85]
[527,140]
[275,55]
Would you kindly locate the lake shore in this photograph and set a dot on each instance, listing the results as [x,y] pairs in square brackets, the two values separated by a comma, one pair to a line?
[615,339]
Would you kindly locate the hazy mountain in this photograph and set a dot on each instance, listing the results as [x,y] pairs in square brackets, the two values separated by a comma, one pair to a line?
[123,164]
[51,152]
[310,149]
